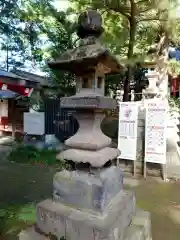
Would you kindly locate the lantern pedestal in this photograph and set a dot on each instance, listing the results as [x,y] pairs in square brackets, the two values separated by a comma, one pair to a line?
[89,144]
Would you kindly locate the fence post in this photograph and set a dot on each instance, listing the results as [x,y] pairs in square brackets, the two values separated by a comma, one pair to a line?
[132,95]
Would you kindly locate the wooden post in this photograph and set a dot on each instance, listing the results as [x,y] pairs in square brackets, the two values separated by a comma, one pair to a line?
[134,166]
[13,119]
[164,172]
[144,169]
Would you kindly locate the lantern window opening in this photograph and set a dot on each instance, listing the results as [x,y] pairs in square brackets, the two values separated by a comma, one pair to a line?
[87,82]
[99,82]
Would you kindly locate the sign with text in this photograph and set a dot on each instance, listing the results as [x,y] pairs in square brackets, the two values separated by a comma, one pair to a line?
[156,132]
[34,123]
[127,137]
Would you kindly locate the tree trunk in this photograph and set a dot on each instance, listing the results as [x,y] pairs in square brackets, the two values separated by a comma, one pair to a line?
[132,25]
[7,58]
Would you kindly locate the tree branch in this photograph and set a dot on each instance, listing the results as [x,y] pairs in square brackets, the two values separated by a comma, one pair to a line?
[119,11]
[141,1]
[151,19]
[144,10]
[119,8]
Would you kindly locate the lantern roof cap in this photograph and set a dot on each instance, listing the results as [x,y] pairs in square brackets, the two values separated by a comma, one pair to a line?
[86,57]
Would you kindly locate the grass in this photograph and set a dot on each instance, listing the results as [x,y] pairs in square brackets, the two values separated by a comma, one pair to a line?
[15,217]
[31,155]
[24,185]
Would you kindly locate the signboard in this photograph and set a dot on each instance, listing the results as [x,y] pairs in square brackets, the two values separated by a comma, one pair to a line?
[127,138]
[34,123]
[156,132]
[21,90]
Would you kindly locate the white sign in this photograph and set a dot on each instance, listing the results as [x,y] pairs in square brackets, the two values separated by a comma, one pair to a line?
[34,123]
[156,132]
[127,137]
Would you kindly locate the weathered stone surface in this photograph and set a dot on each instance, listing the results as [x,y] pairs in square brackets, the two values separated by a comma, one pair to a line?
[143,218]
[94,158]
[89,135]
[135,231]
[92,192]
[110,225]
[140,228]
[85,51]
[86,57]
[92,102]
[31,234]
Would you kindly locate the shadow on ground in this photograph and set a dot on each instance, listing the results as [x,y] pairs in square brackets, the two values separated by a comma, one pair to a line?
[25,184]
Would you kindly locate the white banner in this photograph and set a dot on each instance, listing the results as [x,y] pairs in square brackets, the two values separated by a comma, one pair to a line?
[34,123]
[127,136]
[156,132]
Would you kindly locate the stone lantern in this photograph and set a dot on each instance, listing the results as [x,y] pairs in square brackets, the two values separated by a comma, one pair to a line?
[90,62]
[89,202]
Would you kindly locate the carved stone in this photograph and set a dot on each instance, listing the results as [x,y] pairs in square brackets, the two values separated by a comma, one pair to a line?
[89,24]
[85,59]
[52,218]
[139,229]
[89,144]
[91,192]
[88,102]
[95,158]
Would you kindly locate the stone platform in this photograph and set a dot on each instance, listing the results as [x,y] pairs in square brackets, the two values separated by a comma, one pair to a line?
[139,229]
[90,206]
[62,220]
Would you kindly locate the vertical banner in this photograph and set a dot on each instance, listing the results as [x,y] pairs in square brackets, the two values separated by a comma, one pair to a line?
[127,136]
[156,132]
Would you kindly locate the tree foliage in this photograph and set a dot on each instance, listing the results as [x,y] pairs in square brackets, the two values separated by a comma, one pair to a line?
[141,21]
[10,40]
[40,33]
[34,31]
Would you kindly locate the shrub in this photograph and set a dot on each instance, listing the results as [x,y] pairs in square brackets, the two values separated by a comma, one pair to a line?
[32,155]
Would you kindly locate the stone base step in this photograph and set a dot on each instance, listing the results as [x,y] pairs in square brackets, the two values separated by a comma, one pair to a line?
[140,229]
[31,234]
[132,233]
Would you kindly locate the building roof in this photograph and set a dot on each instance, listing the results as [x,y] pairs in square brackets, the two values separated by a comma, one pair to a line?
[12,78]
[10,75]
[24,78]
[42,80]
[7,94]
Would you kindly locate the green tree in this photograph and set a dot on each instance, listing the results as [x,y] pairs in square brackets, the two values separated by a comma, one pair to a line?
[49,32]
[134,16]
[32,33]
[10,39]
